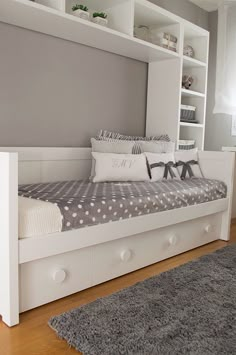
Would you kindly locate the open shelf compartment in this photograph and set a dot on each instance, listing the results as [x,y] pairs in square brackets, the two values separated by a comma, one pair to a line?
[155,20]
[199,79]
[198,39]
[119,12]
[191,133]
[200,108]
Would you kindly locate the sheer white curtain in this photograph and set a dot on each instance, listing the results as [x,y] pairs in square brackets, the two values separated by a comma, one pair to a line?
[225,98]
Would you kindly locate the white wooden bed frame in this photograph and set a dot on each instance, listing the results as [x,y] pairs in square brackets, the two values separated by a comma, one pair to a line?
[39,270]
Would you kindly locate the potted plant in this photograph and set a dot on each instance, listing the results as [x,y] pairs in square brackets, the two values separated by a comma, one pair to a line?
[81,11]
[100,18]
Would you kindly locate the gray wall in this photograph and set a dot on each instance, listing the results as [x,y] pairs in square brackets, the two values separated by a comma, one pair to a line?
[57,93]
[218,127]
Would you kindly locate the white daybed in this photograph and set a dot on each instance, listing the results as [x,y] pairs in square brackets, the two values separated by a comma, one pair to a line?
[38,270]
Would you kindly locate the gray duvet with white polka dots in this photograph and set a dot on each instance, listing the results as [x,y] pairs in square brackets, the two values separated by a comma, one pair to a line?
[83,203]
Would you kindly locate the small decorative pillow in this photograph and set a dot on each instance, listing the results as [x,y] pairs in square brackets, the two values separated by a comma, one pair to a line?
[115,146]
[162,166]
[187,164]
[120,167]
[157,147]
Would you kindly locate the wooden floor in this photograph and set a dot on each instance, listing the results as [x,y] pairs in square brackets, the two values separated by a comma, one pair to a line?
[34,337]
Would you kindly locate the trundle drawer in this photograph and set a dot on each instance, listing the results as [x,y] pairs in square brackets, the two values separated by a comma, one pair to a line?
[51,278]
[122,256]
[48,279]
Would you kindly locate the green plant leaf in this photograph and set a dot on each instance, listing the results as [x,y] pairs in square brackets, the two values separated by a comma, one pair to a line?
[79,7]
[100,14]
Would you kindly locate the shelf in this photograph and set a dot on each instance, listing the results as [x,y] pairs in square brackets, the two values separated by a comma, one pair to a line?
[192,63]
[194,31]
[194,125]
[120,14]
[36,17]
[199,40]
[192,132]
[190,93]
[149,14]
[95,4]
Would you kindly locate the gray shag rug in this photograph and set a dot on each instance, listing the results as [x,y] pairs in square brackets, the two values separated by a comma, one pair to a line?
[187,310]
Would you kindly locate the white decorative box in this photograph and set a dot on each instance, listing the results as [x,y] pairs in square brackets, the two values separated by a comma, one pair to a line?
[100,21]
[81,14]
[163,39]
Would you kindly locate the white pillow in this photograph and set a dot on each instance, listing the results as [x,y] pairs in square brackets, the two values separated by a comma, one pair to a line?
[115,146]
[162,166]
[157,147]
[120,167]
[187,164]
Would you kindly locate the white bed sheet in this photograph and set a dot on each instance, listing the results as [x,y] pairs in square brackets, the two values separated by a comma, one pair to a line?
[38,218]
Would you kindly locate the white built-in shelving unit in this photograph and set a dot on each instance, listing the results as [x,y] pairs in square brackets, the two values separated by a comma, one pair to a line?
[165,94]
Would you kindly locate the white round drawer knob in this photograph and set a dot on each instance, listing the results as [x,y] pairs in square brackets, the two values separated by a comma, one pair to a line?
[126,255]
[208,228]
[59,276]
[173,240]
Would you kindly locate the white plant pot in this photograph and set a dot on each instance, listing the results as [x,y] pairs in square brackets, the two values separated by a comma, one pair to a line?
[81,14]
[100,21]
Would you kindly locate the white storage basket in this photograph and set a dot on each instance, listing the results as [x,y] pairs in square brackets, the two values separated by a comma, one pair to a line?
[187,113]
[186,144]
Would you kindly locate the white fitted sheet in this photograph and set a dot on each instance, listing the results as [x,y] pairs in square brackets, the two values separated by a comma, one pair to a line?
[38,218]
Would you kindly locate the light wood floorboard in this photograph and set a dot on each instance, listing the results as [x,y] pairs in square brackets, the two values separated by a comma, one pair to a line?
[34,337]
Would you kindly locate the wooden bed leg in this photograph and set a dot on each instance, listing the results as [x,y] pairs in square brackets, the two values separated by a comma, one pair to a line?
[9,261]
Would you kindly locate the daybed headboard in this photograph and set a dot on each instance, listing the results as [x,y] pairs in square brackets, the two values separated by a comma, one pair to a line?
[54,164]
[51,164]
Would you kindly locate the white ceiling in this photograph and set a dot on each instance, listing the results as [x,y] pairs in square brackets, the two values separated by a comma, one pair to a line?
[208,5]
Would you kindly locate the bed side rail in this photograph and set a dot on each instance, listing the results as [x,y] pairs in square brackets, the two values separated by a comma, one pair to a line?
[220,166]
[9,278]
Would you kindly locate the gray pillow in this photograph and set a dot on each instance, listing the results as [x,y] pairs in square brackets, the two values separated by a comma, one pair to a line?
[157,147]
[114,146]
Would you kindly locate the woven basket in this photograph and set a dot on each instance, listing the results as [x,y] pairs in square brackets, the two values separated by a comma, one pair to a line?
[187,113]
[186,144]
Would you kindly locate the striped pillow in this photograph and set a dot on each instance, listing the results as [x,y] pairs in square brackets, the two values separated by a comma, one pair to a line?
[113,136]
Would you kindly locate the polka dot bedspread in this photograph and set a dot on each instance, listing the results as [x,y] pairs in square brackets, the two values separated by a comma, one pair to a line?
[83,203]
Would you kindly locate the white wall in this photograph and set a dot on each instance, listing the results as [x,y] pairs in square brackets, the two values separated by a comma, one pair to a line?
[218,127]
